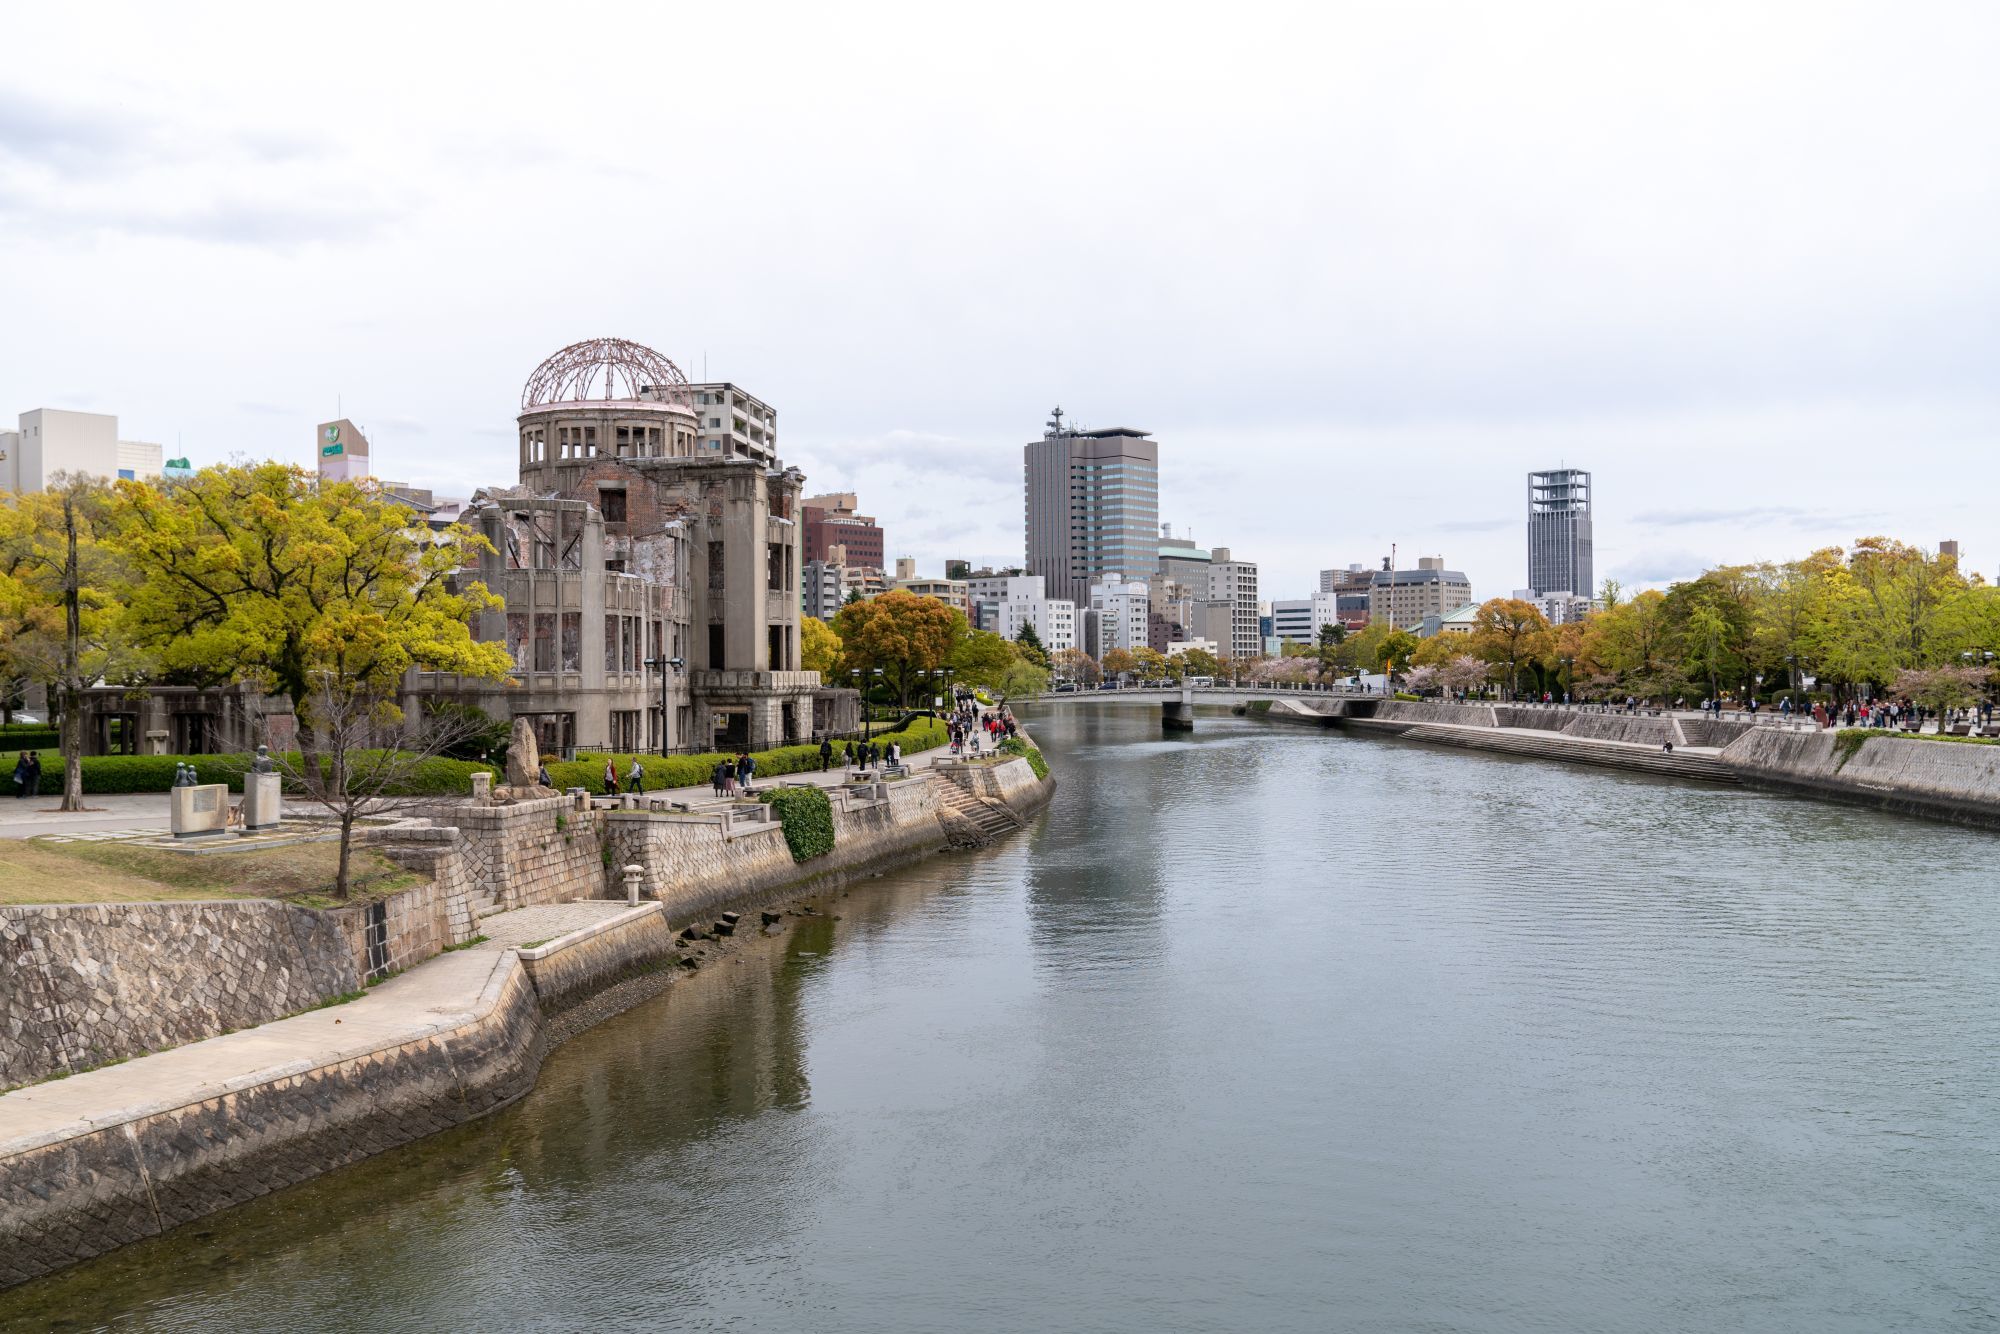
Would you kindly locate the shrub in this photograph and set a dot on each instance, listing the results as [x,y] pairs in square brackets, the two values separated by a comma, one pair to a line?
[806,816]
[155,773]
[664,772]
[1013,745]
[29,736]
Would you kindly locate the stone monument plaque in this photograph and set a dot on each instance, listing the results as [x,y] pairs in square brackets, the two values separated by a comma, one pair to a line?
[199,810]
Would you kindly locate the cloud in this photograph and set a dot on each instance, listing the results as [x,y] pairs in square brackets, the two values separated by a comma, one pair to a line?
[1798,516]
[1476,525]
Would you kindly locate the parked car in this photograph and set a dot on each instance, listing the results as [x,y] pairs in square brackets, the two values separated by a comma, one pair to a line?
[1066,688]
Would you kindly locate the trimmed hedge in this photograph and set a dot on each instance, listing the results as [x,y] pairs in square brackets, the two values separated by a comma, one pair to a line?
[29,736]
[103,774]
[806,816]
[662,773]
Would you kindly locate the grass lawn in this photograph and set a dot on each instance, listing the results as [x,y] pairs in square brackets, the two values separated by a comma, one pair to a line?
[32,871]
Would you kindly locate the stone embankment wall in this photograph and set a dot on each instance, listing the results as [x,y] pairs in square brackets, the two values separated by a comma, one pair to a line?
[695,863]
[583,963]
[82,984]
[96,1182]
[74,1194]
[1939,779]
[529,853]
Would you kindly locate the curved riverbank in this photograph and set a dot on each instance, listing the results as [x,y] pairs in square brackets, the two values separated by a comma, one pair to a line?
[105,1157]
[1947,780]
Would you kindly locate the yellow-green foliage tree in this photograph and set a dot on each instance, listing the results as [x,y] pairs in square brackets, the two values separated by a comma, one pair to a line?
[901,635]
[819,648]
[1120,662]
[263,574]
[60,594]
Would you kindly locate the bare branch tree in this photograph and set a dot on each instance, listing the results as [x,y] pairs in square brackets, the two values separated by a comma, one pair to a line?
[362,760]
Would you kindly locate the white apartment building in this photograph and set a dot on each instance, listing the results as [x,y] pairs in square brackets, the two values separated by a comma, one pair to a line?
[1118,616]
[1023,601]
[55,440]
[1235,582]
[1292,619]
[735,423]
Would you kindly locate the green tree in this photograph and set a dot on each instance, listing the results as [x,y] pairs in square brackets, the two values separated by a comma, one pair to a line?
[1326,648]
[1120,662]
[1198,662]
[325,593]
[902,635]
[61,592]
[1030,645]
[981,659]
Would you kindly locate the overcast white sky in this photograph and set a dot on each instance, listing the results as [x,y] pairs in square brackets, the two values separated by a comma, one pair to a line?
[1358,266]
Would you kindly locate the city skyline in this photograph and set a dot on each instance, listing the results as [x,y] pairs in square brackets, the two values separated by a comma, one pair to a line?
[1752,312]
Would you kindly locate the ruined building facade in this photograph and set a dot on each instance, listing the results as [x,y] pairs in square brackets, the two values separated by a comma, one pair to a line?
[638,558]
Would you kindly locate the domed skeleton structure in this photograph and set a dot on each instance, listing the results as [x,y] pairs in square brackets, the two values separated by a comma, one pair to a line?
[606,370]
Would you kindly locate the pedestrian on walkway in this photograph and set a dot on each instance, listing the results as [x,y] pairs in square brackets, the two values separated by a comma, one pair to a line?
[610,777]
[825,754]
[746,767]
[542,774]
[21,770]
[715,779]
[635,777]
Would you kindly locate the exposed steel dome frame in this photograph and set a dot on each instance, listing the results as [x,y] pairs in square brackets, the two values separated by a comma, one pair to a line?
[600,370]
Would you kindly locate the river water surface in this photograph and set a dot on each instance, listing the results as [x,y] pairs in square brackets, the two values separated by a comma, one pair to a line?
[1255,1030]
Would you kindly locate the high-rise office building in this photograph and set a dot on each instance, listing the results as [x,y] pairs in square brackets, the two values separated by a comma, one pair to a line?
[1093,507]
[1559,556]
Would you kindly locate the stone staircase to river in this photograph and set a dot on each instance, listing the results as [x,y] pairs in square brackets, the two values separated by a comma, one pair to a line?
[973,822]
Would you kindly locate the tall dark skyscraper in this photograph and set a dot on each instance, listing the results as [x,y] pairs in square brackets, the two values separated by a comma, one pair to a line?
[1093,507]
[1559,557]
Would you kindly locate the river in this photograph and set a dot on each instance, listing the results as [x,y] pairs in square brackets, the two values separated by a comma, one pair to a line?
[1255,1030]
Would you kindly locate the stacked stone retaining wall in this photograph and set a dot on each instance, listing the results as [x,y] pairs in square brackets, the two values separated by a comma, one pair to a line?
[696,863]
[83,984]
[529,853]
[583,963]
[77,1193]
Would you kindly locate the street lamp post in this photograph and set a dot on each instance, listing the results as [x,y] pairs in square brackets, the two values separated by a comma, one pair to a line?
[664,666]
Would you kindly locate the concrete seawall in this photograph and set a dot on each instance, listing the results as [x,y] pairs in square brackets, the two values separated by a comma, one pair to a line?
[1941,780]
[109,1156]
[222,1124]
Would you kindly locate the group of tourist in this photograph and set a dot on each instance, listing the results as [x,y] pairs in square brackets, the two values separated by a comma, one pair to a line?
[734,777]
[27,775]
[973,729]
[859,754]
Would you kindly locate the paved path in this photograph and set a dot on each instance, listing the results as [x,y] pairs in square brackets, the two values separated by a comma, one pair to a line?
[438,994]
[111,811]
[525,927]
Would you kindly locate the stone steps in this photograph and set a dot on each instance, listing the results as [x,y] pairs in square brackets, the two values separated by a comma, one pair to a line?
[986,820]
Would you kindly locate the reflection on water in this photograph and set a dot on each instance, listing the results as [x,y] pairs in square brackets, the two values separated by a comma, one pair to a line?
[1257,1029]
